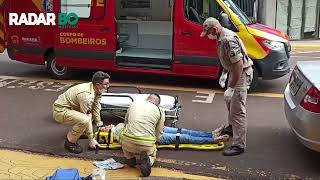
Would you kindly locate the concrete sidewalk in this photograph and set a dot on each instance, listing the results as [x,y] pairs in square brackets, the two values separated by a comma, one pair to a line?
[22,165]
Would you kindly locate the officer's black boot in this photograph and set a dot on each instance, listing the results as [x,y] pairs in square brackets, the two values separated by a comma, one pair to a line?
[233,151]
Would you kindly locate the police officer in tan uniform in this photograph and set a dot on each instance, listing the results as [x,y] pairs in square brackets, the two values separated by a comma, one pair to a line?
[78,107]
[235,61]
[144,123]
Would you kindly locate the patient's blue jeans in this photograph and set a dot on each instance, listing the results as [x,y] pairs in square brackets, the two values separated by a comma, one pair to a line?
[186,136]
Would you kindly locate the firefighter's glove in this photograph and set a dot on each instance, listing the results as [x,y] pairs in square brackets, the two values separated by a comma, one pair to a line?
[93,144]
[228,94]
[223,79]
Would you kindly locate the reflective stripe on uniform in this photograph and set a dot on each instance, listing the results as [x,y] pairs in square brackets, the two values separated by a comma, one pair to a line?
[138,139]
[119,136]
[58,107]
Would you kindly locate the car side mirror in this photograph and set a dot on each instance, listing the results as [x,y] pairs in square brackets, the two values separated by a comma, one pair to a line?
[224,20]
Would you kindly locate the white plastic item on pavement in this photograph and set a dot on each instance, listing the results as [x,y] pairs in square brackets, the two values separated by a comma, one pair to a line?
[98,174]
[108,164]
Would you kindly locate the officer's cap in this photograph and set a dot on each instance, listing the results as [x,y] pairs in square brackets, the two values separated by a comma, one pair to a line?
[208,23]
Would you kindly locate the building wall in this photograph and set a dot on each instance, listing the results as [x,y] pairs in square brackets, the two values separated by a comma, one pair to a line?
[298,18]
[267,12]
[295,19]
[281,15]
[310,17]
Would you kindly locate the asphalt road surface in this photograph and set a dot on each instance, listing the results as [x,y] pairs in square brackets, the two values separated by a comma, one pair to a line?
[27,94]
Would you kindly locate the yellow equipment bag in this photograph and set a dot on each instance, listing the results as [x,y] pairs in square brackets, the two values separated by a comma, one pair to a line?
[107,142]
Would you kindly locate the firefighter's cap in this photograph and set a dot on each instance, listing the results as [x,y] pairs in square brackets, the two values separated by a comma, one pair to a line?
[208,23]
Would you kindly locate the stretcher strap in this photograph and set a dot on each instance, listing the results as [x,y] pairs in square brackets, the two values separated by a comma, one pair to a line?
[177,139]
[200,147]
[98,140]
[109,139]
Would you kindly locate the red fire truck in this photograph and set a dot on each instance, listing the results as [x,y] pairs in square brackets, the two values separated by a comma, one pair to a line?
[149,36]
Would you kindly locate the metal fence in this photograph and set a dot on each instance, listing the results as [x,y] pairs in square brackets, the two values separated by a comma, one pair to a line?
[247,6]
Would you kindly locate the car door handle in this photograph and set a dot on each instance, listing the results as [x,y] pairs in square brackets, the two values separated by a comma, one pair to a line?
[187,33]
[105,29]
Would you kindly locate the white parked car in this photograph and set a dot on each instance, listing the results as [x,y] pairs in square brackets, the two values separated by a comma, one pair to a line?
[302,103]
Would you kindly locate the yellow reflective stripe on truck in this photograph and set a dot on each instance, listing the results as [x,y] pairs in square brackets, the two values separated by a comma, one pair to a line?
[2,25]
[1,35]
[253,47]
[1,18]
[266,35]
[38,4]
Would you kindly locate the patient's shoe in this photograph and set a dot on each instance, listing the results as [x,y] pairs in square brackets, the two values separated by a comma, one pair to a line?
[228,130]
[222,138]
[217,132]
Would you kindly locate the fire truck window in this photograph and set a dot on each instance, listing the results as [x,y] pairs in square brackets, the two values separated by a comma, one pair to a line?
[198,10]
[80,7]
[132,4]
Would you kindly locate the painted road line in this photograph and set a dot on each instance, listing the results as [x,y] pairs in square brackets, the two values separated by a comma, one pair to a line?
[187,163]
[59,85]
[304,45]
[21,165]
[204,98]
[202,90]
[304,52]
[309,57]
[271,95]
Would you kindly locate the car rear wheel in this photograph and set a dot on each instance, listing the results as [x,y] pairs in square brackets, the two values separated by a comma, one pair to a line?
[57,72]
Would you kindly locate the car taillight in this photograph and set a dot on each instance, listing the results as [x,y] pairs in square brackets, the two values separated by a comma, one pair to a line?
[311,100]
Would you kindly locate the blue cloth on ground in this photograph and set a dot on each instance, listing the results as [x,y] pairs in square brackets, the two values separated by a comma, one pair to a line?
[65,174]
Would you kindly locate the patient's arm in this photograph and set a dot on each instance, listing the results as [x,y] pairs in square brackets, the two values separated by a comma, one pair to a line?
[106,128]
[160,125]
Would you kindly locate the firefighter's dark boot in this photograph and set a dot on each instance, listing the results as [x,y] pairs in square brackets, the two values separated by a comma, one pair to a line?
[131,162]
[73,147]
[145,166]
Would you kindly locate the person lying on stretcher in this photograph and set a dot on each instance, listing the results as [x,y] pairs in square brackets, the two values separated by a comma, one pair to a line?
[169,136]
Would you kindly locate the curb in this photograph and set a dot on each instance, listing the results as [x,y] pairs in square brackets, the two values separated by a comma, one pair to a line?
[16,164]
[305,47]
